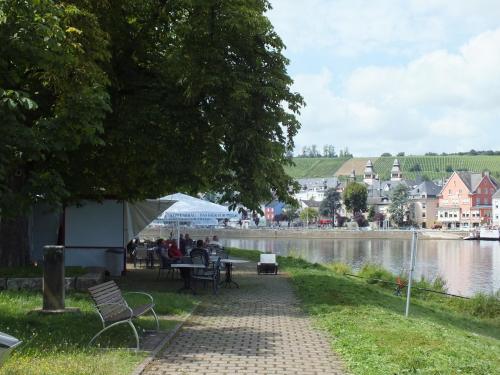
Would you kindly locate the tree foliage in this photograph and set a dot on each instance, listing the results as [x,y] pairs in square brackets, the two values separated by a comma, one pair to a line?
[331,204]
[355,196]
[134,100]
[309,214]
[399,204]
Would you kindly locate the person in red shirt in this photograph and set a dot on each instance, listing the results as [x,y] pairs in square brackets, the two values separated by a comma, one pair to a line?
[173,251]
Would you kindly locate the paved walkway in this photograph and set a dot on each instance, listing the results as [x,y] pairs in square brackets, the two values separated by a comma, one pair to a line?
[257,329]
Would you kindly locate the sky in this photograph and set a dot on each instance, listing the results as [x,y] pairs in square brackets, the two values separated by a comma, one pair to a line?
[409,76]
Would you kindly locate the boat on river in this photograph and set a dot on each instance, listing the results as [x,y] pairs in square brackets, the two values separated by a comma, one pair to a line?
[486,234]
[491,234]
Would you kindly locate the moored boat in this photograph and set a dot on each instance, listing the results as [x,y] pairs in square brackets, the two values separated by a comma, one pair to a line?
[491,234]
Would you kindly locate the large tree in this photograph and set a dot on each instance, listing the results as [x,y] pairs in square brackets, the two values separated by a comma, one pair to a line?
[399,204]
[331,204]
[355,196]
[53,101]
[137,99]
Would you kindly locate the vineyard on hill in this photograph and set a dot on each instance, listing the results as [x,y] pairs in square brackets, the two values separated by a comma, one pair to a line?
[315,167]
[434,167]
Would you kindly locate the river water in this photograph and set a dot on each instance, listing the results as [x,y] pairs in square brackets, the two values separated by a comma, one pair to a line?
[467,266]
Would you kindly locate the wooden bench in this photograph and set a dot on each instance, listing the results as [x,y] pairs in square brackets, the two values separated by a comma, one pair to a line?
[114,310]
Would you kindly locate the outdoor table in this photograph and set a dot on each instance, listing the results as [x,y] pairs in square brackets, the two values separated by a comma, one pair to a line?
[228,264]
[185,269]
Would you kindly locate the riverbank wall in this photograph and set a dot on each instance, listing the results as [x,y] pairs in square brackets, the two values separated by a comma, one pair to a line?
[156,232]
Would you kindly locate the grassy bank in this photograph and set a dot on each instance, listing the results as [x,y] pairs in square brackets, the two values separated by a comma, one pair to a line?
[366,321]
[57,344]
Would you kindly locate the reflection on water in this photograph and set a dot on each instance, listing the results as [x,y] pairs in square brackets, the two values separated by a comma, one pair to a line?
[467,266]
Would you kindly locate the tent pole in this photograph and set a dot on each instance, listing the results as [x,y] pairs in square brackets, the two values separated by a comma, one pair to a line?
[178,236]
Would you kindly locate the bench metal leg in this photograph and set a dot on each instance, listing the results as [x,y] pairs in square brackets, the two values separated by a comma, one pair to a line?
[156,318]
[118,323]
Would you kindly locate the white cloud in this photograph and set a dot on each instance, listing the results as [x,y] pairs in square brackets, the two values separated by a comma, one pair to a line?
[352,27]
[440,101]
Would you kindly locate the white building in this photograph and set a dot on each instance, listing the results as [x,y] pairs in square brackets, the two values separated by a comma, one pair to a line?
[495,208]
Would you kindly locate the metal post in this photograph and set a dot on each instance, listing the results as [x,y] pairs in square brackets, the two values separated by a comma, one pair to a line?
[412,267]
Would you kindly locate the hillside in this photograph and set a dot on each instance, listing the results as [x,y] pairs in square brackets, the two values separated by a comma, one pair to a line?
[315,167]
[438,166]
[358,164]
[431,166]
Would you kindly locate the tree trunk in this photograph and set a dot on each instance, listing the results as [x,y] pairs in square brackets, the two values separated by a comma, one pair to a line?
[14,241]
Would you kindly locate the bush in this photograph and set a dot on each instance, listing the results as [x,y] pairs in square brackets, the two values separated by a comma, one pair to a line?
[360,220]
[482,305]
[374,271]
[340,268]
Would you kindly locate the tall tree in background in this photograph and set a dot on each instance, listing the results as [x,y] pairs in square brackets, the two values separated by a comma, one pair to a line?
[138,99]
[355,196]
[331,204]
[399,204]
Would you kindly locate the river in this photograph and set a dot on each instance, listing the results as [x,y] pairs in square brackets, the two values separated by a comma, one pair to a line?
[467,266]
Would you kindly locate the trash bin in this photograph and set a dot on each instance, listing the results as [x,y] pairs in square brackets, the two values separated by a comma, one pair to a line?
[7,344]
[114,261]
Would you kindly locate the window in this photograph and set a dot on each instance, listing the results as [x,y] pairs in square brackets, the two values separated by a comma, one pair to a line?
[446,214]
[449,191]
[479,190]
[459,191]
[423,215]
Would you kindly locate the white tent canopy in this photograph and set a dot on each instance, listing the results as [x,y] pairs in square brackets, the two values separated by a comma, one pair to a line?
[194,210]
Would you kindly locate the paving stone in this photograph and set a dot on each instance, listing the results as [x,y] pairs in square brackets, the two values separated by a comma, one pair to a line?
[257,329]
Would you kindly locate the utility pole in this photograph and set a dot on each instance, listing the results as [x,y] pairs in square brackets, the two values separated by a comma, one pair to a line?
[412,268]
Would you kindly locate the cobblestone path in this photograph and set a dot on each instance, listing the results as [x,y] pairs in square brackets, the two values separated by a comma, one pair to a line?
[257,329]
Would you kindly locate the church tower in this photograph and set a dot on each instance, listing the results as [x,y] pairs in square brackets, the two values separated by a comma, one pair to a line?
[369,173]
[396,174]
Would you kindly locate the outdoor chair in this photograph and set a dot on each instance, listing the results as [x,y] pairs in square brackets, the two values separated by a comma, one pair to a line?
[267,264]
[139,254]
[210,273]
[114,310]
[166,266]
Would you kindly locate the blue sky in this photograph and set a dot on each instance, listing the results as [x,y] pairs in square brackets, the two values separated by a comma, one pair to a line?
[389,76]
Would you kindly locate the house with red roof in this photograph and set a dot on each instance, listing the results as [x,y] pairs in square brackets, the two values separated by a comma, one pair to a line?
[465,200]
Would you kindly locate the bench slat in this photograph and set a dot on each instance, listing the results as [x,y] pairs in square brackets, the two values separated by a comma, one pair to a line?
[109,293]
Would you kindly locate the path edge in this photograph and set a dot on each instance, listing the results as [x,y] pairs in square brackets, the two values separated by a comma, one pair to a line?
[142,366]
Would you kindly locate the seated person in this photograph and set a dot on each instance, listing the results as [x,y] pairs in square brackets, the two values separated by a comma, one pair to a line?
[173,252]
[200,249]
[215,241]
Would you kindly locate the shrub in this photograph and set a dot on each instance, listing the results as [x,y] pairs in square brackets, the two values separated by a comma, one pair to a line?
[374,271]
[340,268]
[360,219]
[482,305]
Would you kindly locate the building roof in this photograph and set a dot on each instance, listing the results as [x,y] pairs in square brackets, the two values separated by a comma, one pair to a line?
[497,194]
[311,203]
[427,187]
[472,180]
[318,182]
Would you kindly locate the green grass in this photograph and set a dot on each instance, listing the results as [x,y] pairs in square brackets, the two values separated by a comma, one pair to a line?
[37,271]
[315,167]
[58,344]
[369,330]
